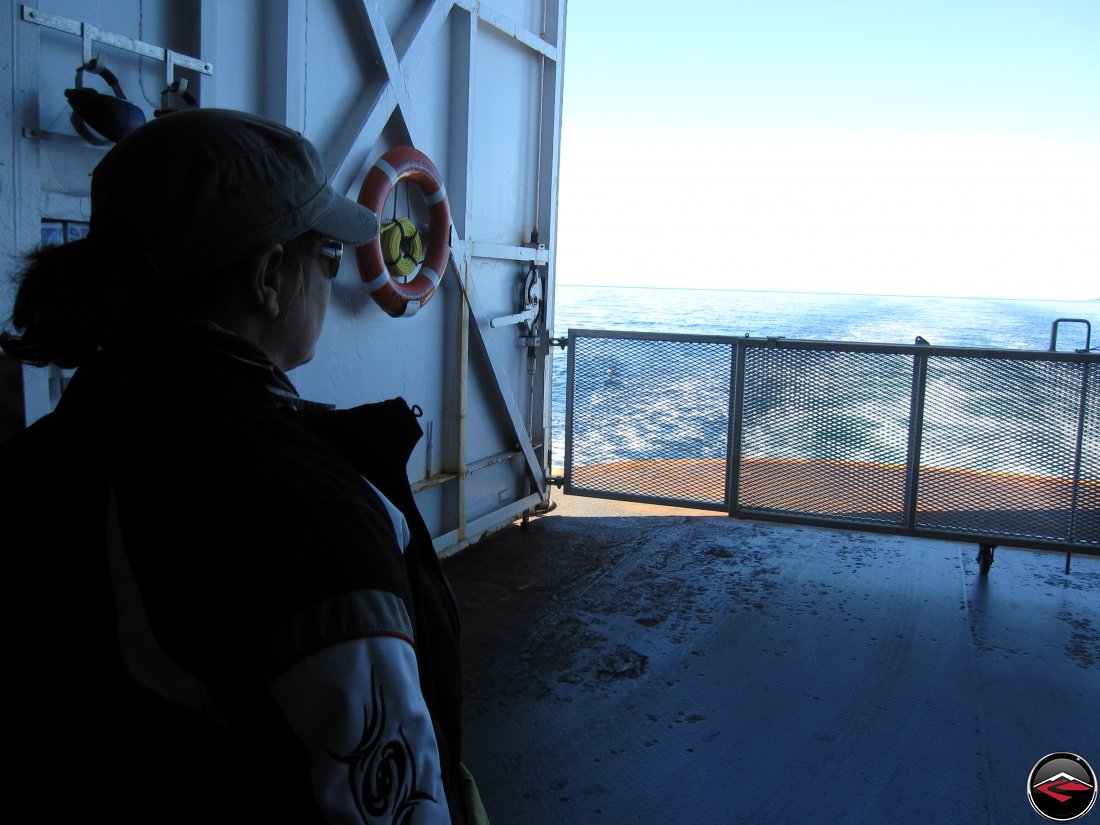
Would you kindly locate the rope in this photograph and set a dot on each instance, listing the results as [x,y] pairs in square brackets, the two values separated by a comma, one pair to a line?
[402,247]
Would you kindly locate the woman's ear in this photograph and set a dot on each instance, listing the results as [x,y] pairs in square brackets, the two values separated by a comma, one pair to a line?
[266,280]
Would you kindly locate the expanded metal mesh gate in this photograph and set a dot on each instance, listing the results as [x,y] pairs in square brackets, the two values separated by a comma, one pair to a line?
[994,446]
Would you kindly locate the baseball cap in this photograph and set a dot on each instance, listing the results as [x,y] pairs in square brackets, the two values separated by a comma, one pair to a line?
[205,187]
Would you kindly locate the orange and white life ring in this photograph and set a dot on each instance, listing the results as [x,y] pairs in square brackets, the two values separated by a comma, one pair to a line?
[403,300]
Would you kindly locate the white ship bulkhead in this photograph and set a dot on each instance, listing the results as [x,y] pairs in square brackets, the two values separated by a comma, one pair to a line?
[475,88]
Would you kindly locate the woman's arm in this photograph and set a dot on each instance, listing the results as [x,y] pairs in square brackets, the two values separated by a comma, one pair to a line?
[357,707]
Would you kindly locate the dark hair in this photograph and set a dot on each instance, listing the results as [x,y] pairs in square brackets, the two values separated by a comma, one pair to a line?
[75,298]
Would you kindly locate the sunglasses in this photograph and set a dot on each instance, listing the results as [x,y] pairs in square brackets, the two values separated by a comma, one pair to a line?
[332,252]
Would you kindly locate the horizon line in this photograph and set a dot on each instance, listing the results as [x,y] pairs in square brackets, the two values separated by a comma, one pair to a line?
[828,292]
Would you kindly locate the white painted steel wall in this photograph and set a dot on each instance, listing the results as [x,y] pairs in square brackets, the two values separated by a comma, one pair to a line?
[476,86]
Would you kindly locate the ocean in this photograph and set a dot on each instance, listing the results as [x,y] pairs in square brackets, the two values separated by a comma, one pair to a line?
[887,319]
[879,319]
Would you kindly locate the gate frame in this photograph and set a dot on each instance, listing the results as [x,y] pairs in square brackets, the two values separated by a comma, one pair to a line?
[921,353]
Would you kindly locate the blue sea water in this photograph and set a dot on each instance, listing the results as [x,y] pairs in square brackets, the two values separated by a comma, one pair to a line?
[881,319]
[890,319]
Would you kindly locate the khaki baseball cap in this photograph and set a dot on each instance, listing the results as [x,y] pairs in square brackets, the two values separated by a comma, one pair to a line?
[203,188]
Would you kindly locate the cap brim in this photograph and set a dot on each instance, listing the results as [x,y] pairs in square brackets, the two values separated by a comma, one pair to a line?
[348,222]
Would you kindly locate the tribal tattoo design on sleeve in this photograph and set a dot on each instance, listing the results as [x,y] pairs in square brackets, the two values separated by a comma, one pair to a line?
[382,771]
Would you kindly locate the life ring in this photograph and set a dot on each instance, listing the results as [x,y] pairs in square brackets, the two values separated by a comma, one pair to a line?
[403,300]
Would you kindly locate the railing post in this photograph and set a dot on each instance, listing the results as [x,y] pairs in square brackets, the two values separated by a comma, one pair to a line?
[570,377]
[736,416]
[916,429]
[1082,406]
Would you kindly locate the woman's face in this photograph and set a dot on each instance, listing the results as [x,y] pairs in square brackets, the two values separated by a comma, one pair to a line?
[306,305]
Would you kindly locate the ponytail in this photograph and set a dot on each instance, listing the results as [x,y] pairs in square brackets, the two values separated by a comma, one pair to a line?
[72,299]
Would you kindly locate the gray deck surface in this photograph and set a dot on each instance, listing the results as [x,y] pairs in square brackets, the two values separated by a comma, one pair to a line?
[632,664]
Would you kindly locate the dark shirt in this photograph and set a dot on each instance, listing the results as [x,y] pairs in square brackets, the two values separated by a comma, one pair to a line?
[254,543]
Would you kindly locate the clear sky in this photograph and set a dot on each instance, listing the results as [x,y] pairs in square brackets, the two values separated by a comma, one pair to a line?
[928,147]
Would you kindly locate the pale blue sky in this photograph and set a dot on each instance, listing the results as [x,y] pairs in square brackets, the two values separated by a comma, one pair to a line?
[923,147]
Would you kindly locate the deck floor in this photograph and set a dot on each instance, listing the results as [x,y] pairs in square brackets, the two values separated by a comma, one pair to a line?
[633,664]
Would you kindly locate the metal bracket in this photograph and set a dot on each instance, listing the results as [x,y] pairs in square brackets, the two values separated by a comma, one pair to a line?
[532,303]
[1054,333]
[561,343]
[43,134]
[525,317]
[89,34]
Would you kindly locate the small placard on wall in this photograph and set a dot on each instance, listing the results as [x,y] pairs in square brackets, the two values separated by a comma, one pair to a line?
[55,232]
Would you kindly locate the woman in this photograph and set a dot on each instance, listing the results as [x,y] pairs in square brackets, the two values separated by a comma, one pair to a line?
[228,608]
